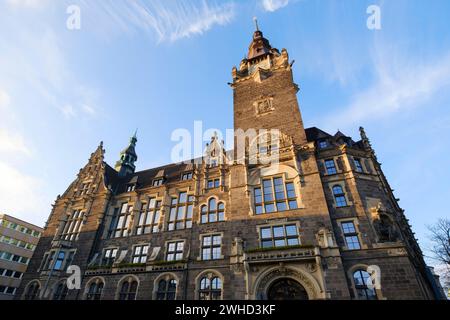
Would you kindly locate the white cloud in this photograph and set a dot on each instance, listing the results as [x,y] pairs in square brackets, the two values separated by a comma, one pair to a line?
[27,3]
[68,111]
[401,82]
[19,195]
[5,100]
[168,20]
[88,109]
[274,5]
[12,143]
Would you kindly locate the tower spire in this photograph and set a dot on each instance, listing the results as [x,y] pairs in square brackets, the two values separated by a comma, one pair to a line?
[255,20]
[128,157]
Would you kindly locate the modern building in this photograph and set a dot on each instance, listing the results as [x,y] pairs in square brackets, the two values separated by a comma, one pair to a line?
[317,224]
[18,239]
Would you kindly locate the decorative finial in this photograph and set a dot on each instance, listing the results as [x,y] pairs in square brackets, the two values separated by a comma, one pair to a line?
[255,19]
[135,133]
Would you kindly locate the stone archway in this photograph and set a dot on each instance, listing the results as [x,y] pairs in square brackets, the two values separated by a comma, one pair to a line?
[300,284]
[286,289]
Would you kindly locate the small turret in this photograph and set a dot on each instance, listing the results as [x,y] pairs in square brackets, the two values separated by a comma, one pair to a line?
[128,157]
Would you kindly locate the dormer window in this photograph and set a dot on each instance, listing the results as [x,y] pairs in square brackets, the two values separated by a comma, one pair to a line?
[213,183]
[131,187]
[323,144]
[157,182]
[213,163]
[186,176]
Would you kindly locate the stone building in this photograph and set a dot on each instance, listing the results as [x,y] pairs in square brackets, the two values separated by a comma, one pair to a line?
[317,225]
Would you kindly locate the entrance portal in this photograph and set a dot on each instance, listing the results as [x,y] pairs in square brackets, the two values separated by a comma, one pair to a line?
[286,289]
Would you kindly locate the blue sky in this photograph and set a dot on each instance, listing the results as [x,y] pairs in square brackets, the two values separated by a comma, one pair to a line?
[160,65]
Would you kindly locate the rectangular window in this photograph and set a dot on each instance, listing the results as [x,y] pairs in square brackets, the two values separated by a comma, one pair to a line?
[181,210]
[330,166]
[213,183]
[140,254]
[186,176]
[69,259]
[13,257]
[49,262]
[149,217]
[175,251]
[109,256]
[279,236]
[275,195]
[157,182]
[323,144]
[121,228]
[59,260]
[36,234]
[131,187]
[358,165]
[73,226]
[211,247]
[350,235]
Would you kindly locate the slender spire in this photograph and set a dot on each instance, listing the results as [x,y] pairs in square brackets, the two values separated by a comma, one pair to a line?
[128,157]
[259,46]
[255,20]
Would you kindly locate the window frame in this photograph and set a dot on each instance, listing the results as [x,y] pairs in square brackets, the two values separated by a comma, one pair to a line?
[289,200]
[186,176]
[340,198]
[358,165]
[211,247]
[176,251]
[363,287]
[207,211]
[73,225]
[165,294]
[330,170]
[350,234]
[122,221]
[149,219]
[213,183]
[109,259]
[141,256]
[187,207]
[210,287]
[285,238]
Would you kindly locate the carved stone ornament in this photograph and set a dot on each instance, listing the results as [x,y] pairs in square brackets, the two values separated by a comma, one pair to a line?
[264,106]
[285,140]
[283,272]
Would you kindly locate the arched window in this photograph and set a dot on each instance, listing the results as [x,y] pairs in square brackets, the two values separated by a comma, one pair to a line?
[128,289]
[166,289]
[33,290]
[361,279]
[213,212]
[61,291]
[339,196]
[210,288]
[95,290]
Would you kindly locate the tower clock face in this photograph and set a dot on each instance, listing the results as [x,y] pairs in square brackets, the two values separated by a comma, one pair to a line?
[262,64]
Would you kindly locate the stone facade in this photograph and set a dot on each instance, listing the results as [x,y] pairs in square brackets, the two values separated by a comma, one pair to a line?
[319,219]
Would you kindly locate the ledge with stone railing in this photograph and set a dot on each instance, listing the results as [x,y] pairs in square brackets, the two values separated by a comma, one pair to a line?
[164,265]
[288,253]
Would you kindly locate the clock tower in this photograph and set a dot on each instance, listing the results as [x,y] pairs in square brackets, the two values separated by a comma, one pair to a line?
[264,92]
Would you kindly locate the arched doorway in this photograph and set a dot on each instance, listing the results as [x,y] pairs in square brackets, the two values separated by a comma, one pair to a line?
[286,289]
